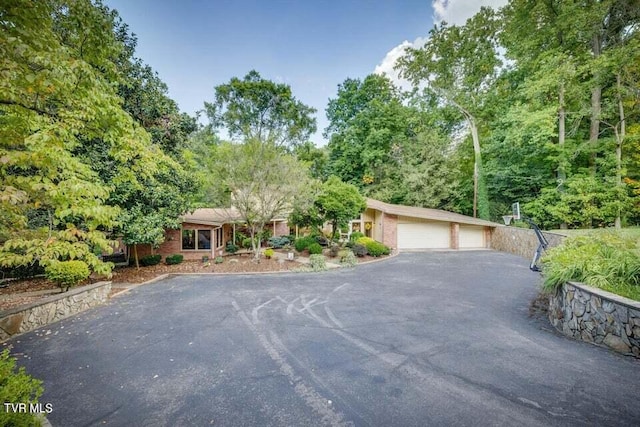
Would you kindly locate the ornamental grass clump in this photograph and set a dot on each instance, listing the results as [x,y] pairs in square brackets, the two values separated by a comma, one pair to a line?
[605,260]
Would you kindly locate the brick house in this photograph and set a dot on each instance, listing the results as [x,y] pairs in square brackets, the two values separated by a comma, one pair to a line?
[205,232]
[410,227]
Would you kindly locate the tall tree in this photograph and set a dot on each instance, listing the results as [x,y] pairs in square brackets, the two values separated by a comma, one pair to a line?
[56,91]
[460,65]
[258,109]
[261,182]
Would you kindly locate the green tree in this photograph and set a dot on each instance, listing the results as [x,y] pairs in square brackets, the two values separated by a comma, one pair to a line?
[459,64]
[338,203]
[56,91]
[258,109]
[260,181]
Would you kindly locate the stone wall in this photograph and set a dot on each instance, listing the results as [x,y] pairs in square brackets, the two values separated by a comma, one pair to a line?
[51,309]
[596,316]
[520,241]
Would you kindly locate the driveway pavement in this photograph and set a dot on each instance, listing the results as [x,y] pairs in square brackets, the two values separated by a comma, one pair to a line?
[440,338]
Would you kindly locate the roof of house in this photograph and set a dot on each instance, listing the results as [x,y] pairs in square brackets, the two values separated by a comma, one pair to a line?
[425,213]
[215,216]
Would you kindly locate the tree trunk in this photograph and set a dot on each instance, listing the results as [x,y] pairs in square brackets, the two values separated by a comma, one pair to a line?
[596,104]
[476,161]
[561,173]
[135,255]
[619,141]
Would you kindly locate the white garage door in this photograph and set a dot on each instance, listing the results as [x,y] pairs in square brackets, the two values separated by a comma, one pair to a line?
[423,235]
[471,236]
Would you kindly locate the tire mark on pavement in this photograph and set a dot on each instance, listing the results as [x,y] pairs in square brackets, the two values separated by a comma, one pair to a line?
[307,393]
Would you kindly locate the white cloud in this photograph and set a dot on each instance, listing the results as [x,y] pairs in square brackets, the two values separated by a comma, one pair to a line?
[453,12]
[458,11]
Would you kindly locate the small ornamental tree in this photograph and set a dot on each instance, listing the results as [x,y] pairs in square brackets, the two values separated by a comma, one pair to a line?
[338,203]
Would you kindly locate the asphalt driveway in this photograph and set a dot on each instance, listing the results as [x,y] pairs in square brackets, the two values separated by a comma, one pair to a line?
[440,338]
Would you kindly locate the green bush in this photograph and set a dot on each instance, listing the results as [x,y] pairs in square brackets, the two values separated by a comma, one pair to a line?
[377,249]
[355,236]
[218,260]
[278,242]
[231,248]
[347,259]
[246,243]
[303,243]
[603,260]
[149,260]
[317,262]
[374,248]
[67,273]
[315,249]
[174,259]
[16,386]
[322,241]
[269,253]
[359,250]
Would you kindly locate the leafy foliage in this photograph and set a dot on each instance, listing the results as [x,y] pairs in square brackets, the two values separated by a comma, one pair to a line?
[359,250]
[303,243]
[16,386]
[67,274]
[314,248]
[338,203]
[269,253]
[257,109]
[347,258]
[604,260]
[278,242]
[174,259]
[149,260]
[317,262]
[231,248]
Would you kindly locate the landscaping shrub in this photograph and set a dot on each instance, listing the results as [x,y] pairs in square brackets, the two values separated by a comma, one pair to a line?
[303,243]
[315,249]
[23,271]
[359,250]
[174,259]
[231,248]
[218,260]
[149,260]
[67,273]
[269,253]
[347,258]
[374,248]
[317,262]
[377,249]
[265,235]
[355,236]
[603,260]
[278,242]
[16,386]
[246,243]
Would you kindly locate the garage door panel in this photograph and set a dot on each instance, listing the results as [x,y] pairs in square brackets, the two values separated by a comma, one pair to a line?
[423,235]
[471,236]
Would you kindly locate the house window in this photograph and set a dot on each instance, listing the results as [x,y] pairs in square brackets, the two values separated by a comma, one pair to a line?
[219,237]
[196,239]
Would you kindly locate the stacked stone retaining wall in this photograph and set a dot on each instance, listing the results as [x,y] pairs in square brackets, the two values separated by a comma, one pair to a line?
[520,241]
[596,316]
[51,309]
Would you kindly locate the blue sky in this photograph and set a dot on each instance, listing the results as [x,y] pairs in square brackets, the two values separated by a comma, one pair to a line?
[311,45]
